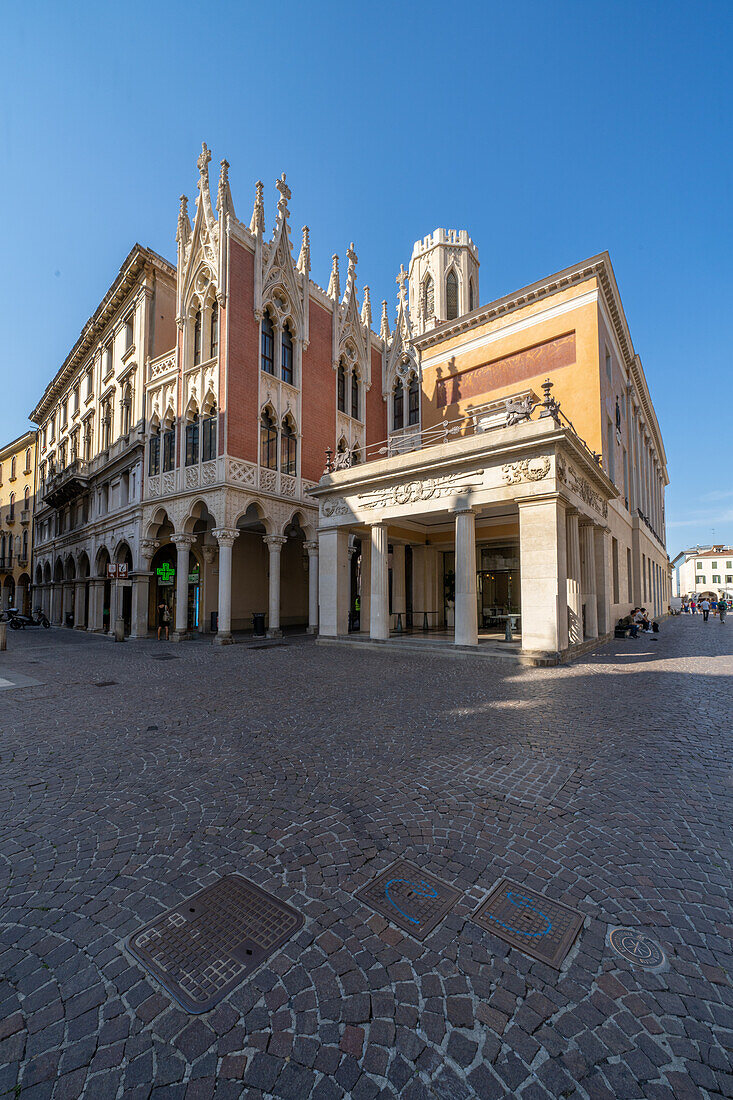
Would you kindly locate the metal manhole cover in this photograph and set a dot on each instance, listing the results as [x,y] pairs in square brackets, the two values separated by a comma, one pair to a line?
[409,898]
[203,948]
[538,926]
[637,948]
[104,683]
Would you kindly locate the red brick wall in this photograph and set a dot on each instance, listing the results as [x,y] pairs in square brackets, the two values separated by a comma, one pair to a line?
[318,393]
[240,402]
[376,406]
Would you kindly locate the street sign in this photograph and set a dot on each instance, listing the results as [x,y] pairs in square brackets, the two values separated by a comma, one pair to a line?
[117,571]
[112,572]
[122,570]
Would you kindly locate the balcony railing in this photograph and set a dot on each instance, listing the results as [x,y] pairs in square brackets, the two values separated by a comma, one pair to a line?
[68,483]
[488,417]
[6,563]
[25,516]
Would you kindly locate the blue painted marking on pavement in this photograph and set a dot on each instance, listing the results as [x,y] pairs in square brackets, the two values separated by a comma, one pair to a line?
[420,888]
[523,903]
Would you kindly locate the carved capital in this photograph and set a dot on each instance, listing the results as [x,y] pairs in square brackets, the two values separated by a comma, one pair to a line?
[183,542]
[148,548]
[312,548]
[225,536]
[275,543]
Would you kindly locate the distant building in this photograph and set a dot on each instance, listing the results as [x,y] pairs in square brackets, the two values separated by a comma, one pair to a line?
[90,454]
[704,569]
[17,500]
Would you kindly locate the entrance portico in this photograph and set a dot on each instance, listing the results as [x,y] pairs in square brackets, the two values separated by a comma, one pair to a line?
[489,536]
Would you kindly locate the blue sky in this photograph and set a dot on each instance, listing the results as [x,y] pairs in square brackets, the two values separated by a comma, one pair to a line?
[549,130]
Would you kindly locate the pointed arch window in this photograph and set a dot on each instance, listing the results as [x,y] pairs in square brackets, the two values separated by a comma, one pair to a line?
[154,452]
[268,441]
[428,300]
[288,448]
[192,440]
[11,512]
[197,337]
[355,394]
[451,295]
[355,456]
[208,434]
[398,406]
[169,448]
[25,546]
[287,354]
[27,498]
[12,468]
[27,461]
[214,344]
[341,386]
[267,348]
[471,296]
[413,401]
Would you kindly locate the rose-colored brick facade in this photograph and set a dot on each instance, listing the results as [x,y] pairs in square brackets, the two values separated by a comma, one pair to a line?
[241,392]
[318,391]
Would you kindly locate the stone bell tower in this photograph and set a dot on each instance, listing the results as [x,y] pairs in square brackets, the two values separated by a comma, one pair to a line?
[443,278]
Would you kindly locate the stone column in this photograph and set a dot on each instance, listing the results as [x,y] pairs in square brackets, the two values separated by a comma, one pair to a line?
[274,544]
[79,621]
[543,570]
[312,549]
[604,581]
[588,574]
[575,608]
[433,586]
[365,593]
[208,554]
[96,595]
[466,628]
[399,595]
[379,604]
[183,544]
[333,582]
[225,536]
[67,601]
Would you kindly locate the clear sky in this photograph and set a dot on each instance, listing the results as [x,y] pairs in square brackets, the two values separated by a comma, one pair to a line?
[549,130]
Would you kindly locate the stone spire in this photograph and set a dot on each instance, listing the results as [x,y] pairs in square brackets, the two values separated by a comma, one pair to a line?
[257,225]
[203,184]
[183,232]
[384,327]
[366,309]
[304,260]
[224,202]
[402,278]
[334,283]
[352,258]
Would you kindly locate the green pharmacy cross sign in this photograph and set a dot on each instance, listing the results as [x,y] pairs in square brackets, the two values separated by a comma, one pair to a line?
[166,572]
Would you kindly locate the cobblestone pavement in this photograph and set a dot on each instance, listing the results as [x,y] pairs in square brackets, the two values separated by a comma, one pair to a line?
[308,769]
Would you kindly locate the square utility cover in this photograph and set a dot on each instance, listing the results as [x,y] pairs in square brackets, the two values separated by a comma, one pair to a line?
[207,945]
[540,927]
[408,897]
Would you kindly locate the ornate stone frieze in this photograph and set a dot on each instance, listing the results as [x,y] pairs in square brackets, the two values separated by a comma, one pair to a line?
[569,476]
[334,506]
[527,469]
[419,489]
[288,485]
[191,477]
[268,481]
[208,473]
[241,473]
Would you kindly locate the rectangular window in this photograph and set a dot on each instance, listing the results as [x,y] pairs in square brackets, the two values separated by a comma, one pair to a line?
[267,347]
[76,399]
[108,359]
[90,382]
[729,579]
[154,454]
[716,578]
[129,330]
[286,363]
[701,580]
[413,403]
[626,477]
[729,565]
[698,565]
[169,449]
[629,591]
[714,565]
[52,426]
[614,562]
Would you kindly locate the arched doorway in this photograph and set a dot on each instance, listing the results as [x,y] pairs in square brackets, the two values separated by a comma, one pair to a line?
[250,569]
[82,619]
[69,592]
[103,561]
[202,583]
[9,592]
[294,576]
[123,588]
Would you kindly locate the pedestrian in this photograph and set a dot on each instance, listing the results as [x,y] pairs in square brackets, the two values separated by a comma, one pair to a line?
[722,609]
[693,607]
[164,618]
[705,608]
